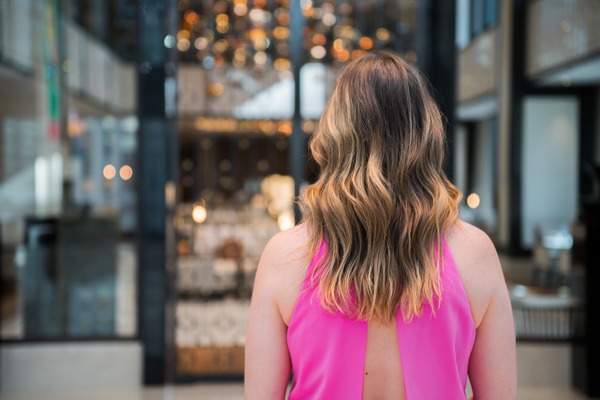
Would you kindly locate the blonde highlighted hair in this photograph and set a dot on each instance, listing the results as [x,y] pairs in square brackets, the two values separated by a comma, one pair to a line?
[382,200]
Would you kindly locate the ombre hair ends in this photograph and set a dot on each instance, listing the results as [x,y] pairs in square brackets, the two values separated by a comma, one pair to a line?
[382,200]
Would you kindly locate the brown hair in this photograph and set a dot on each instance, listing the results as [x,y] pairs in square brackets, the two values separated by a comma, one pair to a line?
[382,200]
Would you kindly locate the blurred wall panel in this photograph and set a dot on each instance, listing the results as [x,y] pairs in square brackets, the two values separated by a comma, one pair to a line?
[16,33]
[96,74]
[559,32]
[476,67]
[550,163]
[39,291]
[192,89]
[460,162]
[484,173]
[87,259]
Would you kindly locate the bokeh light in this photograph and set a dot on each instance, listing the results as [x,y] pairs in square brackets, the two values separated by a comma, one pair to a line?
[199,214]
[126,172]
[473,200]
[109,171]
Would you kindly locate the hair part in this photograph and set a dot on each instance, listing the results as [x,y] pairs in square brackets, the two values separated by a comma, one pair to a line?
[382,200]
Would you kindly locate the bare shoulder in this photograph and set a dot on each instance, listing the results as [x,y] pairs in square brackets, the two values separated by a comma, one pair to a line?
[282,268]
[478,264]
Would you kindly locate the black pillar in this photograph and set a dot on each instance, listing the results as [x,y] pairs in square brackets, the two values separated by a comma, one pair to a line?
[154,167]
[519,89]
[172,167]
[297,148]
[586,349]
[437,59]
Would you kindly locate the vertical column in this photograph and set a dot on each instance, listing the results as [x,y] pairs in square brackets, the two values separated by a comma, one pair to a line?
[515,125]
[157,142]
[172,167]
[585,364]
[297,147]
[436,57]
[586,349]
[504,80]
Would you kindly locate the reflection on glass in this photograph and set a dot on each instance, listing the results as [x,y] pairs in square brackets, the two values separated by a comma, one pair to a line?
[67,133]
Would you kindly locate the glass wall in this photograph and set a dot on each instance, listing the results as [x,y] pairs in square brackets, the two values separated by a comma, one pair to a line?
[235,117]
[526,152]
[67,176]
[70,155]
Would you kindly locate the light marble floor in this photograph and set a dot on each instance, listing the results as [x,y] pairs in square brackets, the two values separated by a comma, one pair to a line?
[232,391]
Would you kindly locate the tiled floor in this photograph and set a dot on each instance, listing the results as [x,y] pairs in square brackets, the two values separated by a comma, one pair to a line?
[233,392]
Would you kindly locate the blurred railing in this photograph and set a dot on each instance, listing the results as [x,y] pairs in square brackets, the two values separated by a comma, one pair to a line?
[545,318]
[252,93]
[559,32]
[93,71]
[16,33]
[96,74]
[476,67]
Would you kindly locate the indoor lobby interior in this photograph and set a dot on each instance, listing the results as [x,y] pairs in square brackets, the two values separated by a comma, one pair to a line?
[149,150]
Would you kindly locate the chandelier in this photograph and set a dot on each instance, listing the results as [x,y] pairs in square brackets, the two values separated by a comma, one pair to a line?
[255,32]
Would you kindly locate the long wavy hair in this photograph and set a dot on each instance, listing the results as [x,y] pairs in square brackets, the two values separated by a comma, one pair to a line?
[382,200]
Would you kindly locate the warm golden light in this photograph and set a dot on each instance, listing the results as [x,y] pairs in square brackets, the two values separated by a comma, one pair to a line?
[191,17]
[308,126]
[126,172]
[222,20]
[261,44]
[473,200]
[240,54]
[199,214]
[240,9]
[338,45]
[281,64]
[220,46]
[201,43]
[286,129]
[342,55]
[260,58]
[281,32]
[349,32]
[328,19]
[319,39]
[365,42]
[183,44]
[75,127]
[357,53]
[383,34]
[283,19]
[257,15]
[183,34]
[285,220]
[256,34]
[109,171]
[216,89]
[267,127]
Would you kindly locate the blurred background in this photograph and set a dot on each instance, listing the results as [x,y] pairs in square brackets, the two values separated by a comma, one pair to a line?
[149,149]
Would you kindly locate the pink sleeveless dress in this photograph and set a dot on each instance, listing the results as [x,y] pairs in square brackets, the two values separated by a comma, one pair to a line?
[328,351]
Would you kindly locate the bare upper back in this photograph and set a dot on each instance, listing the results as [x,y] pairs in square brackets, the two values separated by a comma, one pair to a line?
[477,262]
[285,267]
[473,252]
